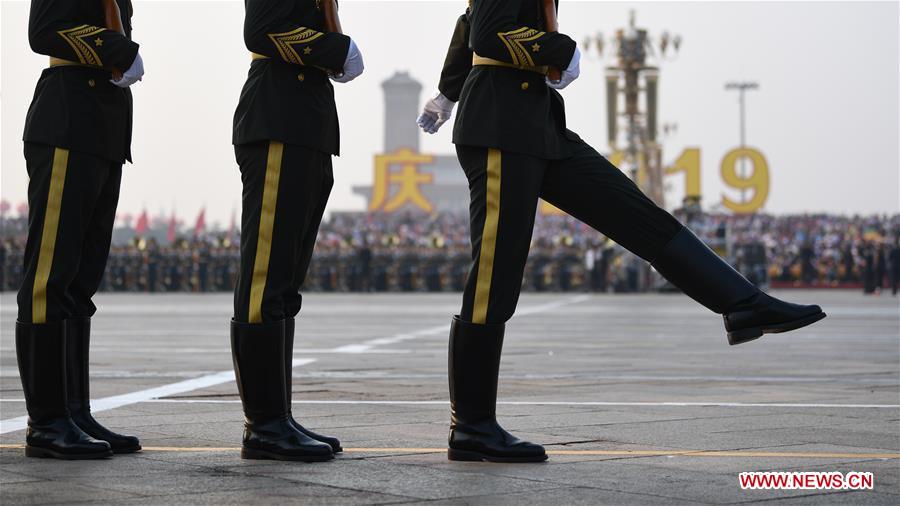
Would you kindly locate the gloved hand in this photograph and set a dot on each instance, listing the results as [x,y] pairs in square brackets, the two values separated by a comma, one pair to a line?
[353,65]
[134,73]
[569,74]
[436,112]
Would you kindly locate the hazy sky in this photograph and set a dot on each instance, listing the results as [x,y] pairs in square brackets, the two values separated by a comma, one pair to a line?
[826,115]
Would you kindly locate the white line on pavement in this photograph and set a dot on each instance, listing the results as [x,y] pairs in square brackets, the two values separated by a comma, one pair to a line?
[366,347]
[225,349]
[117,401]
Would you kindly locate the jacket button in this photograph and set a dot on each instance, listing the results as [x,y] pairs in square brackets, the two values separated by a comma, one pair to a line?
[525,85]
[91,83]
[301,77]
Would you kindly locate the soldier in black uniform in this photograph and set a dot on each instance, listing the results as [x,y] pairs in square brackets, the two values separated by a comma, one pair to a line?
[513,145]
[77,136]
[285,133]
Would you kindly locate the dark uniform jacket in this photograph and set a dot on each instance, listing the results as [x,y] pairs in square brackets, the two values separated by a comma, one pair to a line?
[507,108]
[75,106]
[288,96]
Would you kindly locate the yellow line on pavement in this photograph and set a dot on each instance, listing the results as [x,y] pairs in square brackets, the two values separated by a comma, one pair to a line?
[716,453]
[614,453]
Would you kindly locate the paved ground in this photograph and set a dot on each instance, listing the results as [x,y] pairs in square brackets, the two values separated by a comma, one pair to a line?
[638,398]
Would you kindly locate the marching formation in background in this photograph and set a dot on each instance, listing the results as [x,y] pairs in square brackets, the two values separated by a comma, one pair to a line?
[412,252]
[505,63]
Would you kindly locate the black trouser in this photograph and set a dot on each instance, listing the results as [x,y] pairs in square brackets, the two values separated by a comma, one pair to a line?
[72,199]
[504,189]
[286,188]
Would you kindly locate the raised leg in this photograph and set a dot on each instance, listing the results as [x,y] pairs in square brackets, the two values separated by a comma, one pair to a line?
[591,189]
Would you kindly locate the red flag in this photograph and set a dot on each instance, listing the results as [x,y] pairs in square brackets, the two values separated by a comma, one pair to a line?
[143,223]
[173,224]
[200,226]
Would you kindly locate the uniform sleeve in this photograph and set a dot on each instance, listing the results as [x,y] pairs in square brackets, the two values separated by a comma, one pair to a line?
[496,34]
[55,30]
[458,62]
[269,31]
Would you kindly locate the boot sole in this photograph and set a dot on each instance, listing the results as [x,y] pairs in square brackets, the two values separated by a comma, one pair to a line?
[43,453]
[253,454]
[742,336]
[470,456]
[131,449]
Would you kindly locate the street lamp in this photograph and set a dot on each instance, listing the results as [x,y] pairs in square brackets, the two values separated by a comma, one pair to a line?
[742,87]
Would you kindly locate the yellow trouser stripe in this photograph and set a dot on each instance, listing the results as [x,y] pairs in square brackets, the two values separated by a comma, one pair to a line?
[266,224]
[488,238]
[48,235]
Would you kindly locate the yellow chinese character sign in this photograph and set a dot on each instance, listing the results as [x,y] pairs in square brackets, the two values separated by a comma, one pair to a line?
[398,181]
[400,169]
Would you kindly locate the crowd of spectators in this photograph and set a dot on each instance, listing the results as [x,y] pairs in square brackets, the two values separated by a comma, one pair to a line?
[414,252]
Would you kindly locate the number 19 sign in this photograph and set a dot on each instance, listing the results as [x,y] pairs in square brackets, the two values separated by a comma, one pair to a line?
[756,180]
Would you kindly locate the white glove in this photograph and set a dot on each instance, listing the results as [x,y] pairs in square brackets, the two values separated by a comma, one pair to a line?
[436,112]
[570,74]
[134,73]
[353,66]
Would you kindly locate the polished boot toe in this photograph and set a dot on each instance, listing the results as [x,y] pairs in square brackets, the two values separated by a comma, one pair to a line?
[333,442]
[278,440]
[764,314]
[119,443]
[488,441]
[60,438]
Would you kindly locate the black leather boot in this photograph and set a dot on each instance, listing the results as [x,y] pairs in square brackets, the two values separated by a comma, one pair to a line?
[333,442]
[748,312]
[78,341]
[258,353]
[475,434]
[51,433]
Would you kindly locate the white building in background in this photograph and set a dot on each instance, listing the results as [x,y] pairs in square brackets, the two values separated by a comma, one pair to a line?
[404,179]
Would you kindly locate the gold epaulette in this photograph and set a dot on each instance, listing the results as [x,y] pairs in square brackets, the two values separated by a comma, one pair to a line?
[481,60]
[257,56]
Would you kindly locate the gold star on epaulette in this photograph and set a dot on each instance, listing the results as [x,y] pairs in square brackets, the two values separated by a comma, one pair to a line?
[307,50]
[535,47]
[98,42]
